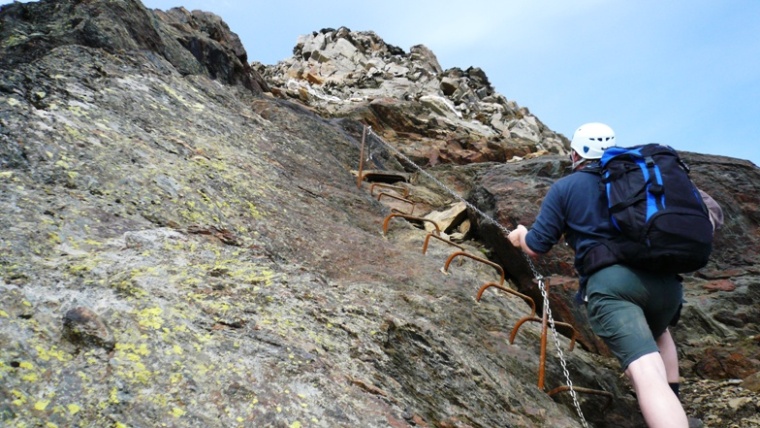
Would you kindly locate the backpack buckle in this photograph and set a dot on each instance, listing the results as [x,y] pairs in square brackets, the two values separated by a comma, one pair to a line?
[656,189]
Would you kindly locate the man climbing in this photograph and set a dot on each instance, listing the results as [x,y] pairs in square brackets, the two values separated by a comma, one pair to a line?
[629,309]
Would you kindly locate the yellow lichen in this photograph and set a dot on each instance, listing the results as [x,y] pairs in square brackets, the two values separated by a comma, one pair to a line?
[20,397]
[129,288]
[218,165]
[191,282]
[113,396]
[53,352]
[142,350]
[150,318]
[92,242]
[159,399]
[254,212]
[14,39]
[142,374]
[77,269]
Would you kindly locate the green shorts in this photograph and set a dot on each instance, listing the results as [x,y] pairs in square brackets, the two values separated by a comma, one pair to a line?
[629,309]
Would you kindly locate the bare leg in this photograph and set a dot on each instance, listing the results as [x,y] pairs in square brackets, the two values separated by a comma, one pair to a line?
[669,356]
[658,403]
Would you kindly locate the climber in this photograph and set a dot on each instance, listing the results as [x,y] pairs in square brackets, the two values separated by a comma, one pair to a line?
[628,308]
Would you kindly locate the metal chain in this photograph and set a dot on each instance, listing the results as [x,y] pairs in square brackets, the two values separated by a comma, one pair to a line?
[561,354]
[533,269]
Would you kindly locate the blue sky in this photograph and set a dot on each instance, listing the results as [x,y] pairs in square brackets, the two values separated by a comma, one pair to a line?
[684,72]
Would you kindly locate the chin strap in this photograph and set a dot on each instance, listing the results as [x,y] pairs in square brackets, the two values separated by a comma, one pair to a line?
[578,163]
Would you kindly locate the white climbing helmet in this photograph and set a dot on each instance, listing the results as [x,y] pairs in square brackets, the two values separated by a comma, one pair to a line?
[590,140]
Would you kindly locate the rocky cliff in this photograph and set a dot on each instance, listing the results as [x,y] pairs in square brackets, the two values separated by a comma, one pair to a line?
[435,115]
[186,242]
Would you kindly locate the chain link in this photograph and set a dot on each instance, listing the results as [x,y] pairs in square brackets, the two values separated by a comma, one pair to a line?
[534,270]
[560,354]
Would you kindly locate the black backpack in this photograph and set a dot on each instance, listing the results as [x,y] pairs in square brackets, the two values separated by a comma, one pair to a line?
[664,224]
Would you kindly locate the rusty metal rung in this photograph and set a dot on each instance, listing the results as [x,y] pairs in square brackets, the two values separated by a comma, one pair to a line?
[437,236]
[482,260]
[387,221]
[583,390]
[384,176]
[525,297]
[507,290]
[513,333]
[404,190]
[381,194]
[544,334]
[544,320]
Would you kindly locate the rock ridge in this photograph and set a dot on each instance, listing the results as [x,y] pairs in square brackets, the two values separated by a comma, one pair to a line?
[432,115]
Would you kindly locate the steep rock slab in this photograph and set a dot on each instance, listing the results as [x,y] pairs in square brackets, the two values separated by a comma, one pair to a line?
[231,269]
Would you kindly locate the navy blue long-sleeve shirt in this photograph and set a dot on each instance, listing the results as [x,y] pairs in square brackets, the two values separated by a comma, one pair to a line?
[575,207]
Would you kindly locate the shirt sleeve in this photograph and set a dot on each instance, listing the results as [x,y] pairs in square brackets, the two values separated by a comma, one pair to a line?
[550,223]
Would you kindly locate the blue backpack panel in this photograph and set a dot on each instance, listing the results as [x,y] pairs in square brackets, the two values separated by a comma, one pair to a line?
[663,222]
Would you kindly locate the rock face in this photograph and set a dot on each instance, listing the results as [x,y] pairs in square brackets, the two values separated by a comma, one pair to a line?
[182,247]
[196,43]
[432,115]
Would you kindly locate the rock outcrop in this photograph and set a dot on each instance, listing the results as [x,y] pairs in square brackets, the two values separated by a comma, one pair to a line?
[432,115]
[197,43]
[185,241]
